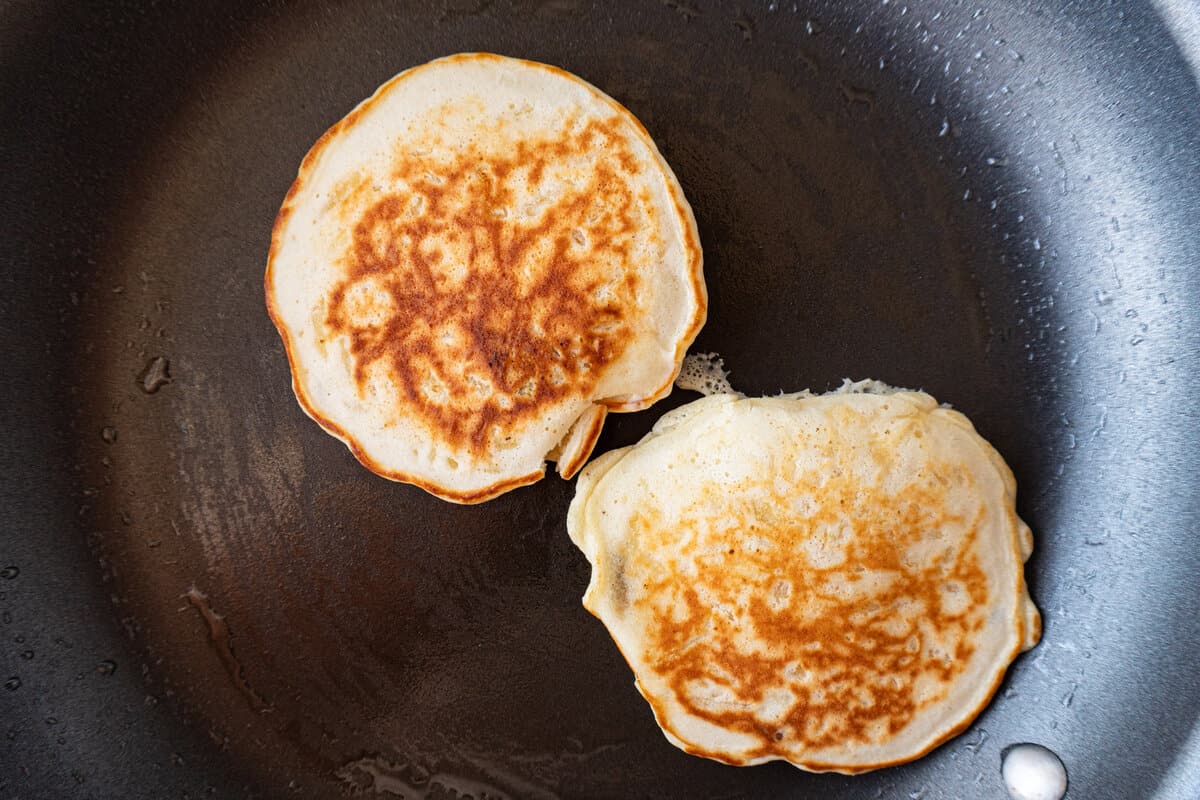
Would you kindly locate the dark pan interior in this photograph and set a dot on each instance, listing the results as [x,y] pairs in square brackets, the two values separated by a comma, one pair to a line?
[996,202]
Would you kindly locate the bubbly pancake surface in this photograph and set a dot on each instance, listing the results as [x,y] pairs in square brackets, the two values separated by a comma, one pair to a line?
[836,581]
[470,261]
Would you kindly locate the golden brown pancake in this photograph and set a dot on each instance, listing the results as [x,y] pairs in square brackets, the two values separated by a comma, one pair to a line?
[474,266]
[835,581]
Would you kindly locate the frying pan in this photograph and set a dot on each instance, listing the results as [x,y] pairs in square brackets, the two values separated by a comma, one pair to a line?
[202,595]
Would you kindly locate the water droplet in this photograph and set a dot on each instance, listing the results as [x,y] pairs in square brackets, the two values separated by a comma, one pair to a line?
[1135,340]
[1103,298]
[10,572]
[992,161]
[156,375]
[177,759]
[812,27]
[51,720]
[1037,244]
[27,655]
[6,617]
[13,683]
[1033,772]
[106,667]
[108,433]
[945,129]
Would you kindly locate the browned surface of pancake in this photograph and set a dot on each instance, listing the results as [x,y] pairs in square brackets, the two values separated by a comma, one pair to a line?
[868,659]
[538,314]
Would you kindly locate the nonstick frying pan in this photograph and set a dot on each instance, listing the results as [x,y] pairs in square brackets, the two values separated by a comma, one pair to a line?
[203,595]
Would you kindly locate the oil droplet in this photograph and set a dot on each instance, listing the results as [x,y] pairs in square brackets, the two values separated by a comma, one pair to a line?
[156,375]
[10,572]
[681,8]
[221,638]
[13,683]
[1032,772]
[27,655]
[856,94]
[108,433]
[746,25]
[412,781]
[106,667]
[980,738]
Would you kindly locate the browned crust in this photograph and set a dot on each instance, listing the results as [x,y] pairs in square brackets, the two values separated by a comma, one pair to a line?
[1019,637]
[660,718]
[691,246]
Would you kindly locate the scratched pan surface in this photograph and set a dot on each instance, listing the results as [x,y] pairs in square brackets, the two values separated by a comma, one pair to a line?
[204,595]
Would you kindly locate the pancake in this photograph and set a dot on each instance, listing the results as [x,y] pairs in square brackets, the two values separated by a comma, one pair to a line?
[836,581]
[477,264]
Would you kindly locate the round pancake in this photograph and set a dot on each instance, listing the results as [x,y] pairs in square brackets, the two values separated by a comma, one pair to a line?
[836,580]
[477,263]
